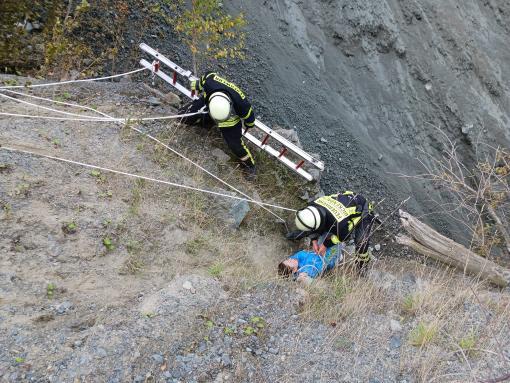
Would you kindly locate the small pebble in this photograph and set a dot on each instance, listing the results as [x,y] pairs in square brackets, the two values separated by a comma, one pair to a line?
[158,358]
[226,361]
[395,326]
[395,341]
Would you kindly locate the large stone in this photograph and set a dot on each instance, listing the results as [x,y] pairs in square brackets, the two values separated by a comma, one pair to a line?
[229,210]
[172,99]
[220,155]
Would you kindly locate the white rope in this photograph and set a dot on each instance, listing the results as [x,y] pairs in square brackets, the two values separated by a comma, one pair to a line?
[111,119]
[44,107]
[50,100]
[99,119]
[72,81]
[143,177]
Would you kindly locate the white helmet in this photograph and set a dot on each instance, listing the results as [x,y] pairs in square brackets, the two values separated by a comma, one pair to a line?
[308,219]
[219,106]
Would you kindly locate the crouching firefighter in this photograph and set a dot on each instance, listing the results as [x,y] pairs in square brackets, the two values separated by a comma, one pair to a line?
[332,219]
[229,108]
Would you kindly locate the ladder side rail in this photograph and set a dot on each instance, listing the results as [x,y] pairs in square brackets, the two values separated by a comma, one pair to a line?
[289,145]
[291,165]
[167,78]
[183,72]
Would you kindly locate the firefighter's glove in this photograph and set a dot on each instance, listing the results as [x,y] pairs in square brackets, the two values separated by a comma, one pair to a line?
[195,85]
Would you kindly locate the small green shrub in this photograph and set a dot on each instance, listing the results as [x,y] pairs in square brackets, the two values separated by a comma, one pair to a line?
[423,334]
[108,243]
[410,304]
[468,343]
[69,227]
[216,270]
[50,290]
[194,246]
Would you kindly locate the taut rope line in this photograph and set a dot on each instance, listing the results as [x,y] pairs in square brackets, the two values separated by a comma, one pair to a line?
[142,177]
[112,119]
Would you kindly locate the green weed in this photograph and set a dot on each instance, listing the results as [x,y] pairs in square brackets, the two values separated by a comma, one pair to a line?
[194,246]
[50,290]
[423,334]
[468,343]
[410,304]
[69,227]
[108,244]
[216,270]
[100,177]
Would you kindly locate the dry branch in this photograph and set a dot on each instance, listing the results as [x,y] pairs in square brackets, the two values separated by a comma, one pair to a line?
[430,243]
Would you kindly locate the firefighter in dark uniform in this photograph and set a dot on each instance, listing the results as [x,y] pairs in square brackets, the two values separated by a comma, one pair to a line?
[229,109]
[334,218]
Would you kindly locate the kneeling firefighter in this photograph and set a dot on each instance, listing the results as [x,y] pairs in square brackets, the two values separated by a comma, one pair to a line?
[229,109]
[334,218]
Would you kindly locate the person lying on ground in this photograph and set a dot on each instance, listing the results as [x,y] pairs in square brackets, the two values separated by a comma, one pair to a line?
[306,265]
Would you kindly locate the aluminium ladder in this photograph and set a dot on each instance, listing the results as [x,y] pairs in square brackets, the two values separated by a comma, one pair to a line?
[287,147]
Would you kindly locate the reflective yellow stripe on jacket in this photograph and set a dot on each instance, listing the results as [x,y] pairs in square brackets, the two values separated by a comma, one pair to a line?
[232,121]
[339,211]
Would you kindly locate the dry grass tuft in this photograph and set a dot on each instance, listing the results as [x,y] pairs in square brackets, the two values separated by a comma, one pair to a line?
[340,296]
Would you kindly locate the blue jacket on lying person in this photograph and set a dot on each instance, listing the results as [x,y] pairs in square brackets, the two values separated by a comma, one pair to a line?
[306,265]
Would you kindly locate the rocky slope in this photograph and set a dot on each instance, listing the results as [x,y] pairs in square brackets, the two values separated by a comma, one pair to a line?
[379,80]
[108,279]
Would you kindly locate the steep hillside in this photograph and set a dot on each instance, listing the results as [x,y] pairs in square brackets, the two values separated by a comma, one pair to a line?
[106,278]
[377,79]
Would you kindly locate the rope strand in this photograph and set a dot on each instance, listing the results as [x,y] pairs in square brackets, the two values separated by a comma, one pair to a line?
[111,119]
[72,81]
[142,177]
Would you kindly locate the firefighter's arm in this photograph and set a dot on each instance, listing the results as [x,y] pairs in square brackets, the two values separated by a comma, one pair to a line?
[246,113]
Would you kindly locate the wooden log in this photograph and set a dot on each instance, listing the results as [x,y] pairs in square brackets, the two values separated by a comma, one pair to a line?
[430,243]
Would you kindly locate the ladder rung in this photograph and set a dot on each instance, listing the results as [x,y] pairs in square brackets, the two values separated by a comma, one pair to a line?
[301,163]
[284,160]
[282,152]
[266,138]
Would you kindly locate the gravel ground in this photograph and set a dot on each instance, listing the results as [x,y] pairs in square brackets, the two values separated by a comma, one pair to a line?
[157,306]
